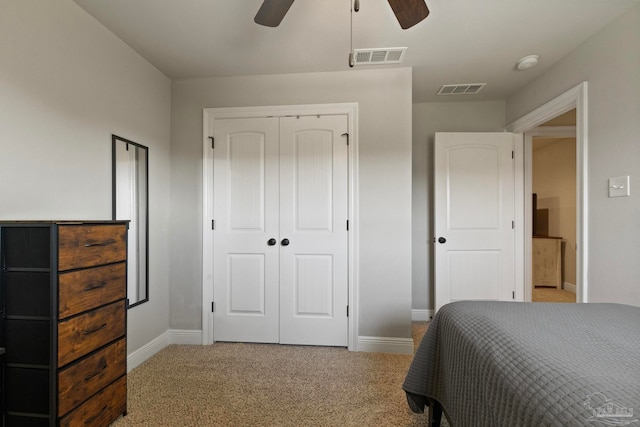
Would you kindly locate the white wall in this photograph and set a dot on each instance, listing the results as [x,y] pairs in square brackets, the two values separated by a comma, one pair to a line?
[384,98]
[610,62]
[67,84]
[429,118]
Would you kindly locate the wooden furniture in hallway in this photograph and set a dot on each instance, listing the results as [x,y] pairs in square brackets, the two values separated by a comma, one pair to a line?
[547,261]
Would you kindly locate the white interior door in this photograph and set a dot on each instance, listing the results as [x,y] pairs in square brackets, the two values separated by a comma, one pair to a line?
[313,219]
[474,214]
[283,179]
[246,210]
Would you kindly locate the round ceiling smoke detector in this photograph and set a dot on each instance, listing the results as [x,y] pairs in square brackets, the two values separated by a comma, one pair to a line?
[527,62]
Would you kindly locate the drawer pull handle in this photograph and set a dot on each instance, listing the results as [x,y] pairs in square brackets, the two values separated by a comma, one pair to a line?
[95,417]
[98,286]
[91,331]
[104,243]
[95,374]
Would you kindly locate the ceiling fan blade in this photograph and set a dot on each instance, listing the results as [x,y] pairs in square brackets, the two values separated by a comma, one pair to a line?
[409,12]
[272,12]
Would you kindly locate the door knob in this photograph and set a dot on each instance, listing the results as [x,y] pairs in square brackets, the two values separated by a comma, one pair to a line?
[285,242]
[441,239]
[271,242]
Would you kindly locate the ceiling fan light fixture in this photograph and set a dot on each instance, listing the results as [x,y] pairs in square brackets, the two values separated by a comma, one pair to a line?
[272,12]
[527,62]
[409,12]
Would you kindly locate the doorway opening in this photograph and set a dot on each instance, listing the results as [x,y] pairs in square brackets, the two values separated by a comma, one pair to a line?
[553,183]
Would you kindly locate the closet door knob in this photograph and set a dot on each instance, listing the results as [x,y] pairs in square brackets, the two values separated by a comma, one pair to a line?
[285,242]
[271,242]
[441,239]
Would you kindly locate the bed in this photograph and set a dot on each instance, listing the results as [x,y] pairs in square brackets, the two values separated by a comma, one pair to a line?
[517,364]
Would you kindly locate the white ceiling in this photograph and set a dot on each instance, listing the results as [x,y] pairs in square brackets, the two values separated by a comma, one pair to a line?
[461,41]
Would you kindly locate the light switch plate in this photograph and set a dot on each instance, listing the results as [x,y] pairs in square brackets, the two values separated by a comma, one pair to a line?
[619,186]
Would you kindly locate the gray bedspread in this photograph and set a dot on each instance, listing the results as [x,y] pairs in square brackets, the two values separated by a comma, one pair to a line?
[530,364]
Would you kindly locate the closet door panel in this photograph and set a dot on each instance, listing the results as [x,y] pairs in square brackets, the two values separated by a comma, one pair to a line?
[313,218]
[246,277]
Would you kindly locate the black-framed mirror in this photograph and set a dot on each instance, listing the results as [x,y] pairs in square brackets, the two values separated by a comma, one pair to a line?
[130,191]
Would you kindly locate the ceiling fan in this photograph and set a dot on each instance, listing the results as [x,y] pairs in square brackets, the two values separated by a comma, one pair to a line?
[408,12]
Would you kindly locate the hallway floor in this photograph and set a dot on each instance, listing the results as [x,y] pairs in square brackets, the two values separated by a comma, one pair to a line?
[552,295]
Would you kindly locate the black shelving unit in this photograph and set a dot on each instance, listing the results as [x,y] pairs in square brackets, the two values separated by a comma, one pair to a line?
[29,324]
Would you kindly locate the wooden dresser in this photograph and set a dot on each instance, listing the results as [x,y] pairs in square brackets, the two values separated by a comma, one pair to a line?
[547,261]
[63,322]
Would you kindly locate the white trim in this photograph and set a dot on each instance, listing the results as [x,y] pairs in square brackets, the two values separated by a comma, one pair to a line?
[172,336]
[145,352]
[385,345]
[557,106]
[519,217]
[185,336]
[207,232]
[573,98]
[194,337]
[209,115]
[527,240]
[554,131]
[421,315]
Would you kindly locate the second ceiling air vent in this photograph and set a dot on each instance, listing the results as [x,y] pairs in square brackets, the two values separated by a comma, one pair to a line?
[379,56]
[461,89]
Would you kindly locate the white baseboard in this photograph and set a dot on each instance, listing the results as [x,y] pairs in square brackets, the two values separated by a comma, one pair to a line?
[385,345]
[139,356]
[185,336]
[172,336]
[569,287]
[194,337]
[421,315]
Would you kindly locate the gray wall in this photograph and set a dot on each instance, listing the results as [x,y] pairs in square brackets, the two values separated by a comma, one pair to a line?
[610,62]
[384,98]
[66,85]
[429,118]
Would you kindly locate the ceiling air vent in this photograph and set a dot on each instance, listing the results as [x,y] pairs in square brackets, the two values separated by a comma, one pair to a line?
[379,56]
[461,89]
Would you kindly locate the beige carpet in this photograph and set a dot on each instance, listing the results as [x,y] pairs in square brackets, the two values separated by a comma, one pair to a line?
[231,384]
[552,295]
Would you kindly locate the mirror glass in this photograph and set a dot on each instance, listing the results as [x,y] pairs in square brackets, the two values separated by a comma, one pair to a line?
[131,202]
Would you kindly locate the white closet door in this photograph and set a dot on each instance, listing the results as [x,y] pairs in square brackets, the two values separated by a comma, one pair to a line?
[246,270]
[313,219]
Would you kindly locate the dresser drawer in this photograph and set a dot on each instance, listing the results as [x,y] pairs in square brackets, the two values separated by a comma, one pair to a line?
[100,410]
[89,376]
[83,334]
[83,290]
[82,246]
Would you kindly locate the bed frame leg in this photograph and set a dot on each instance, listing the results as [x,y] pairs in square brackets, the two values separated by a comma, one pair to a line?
[435,414]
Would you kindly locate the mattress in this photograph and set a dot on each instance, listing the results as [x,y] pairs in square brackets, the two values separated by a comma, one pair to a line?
[529,364]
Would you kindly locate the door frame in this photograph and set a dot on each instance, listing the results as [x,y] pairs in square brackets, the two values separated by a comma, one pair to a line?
[209,116]
[575,97]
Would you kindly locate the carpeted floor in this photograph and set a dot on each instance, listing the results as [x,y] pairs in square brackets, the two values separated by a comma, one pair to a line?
[232,384]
